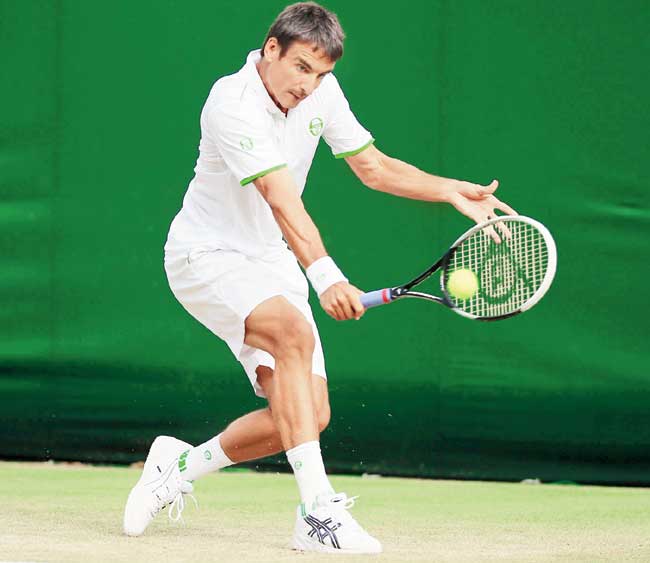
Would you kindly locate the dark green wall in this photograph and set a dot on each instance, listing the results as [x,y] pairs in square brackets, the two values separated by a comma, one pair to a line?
[98,137]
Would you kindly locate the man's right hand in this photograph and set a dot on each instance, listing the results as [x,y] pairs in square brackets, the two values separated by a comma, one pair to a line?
[341,301]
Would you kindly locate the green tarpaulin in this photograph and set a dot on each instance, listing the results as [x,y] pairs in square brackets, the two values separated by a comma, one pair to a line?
[98,136]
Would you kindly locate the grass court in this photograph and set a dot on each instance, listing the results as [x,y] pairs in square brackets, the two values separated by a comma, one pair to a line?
[72,513]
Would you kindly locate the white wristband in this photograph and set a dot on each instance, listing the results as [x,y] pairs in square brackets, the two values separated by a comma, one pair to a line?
[324,273]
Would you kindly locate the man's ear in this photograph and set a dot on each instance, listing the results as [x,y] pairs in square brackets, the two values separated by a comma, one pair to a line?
[271,49]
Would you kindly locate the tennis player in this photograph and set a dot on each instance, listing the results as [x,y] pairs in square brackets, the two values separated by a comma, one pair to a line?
[228,264]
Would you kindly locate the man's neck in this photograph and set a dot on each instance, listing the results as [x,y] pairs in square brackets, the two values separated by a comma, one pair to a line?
[262,67]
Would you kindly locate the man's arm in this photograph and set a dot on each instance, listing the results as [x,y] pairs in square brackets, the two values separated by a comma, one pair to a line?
[340,300]
[385,174]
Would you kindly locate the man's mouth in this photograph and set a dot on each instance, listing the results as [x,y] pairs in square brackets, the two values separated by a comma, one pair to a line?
[298,98]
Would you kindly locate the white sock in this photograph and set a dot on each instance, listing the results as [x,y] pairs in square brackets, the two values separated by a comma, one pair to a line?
[307,464]
[203,459]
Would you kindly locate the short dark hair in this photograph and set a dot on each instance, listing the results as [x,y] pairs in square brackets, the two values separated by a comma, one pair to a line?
[311,23]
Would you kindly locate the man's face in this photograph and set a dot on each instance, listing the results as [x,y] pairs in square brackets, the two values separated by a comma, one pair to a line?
[295,75]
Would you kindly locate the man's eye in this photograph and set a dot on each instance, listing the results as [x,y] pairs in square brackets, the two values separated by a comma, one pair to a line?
[302,68]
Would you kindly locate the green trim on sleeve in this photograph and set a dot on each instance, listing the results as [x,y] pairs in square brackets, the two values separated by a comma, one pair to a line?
[260,174]
[352,153]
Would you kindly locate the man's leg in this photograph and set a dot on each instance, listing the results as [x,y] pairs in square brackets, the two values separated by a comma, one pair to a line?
[255,435]
[279,328]
[323,522]
[252,436]
[294,394]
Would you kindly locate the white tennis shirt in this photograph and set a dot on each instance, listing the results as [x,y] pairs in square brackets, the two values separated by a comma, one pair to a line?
[244,136]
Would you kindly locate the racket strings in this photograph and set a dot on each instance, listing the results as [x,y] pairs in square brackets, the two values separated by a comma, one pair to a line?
[509,273]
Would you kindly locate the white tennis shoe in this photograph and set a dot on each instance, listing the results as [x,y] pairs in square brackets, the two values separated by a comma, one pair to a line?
[330,528]
[159,485]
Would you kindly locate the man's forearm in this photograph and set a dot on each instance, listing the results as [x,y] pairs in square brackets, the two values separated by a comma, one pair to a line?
[300,232]
[404,180]
[279,191]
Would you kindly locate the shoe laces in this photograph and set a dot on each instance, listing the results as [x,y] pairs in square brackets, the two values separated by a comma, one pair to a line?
[178,505]
[173,484]
[345,502]
[340,504]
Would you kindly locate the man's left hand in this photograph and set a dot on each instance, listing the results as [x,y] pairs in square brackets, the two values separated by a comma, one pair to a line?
[476,201]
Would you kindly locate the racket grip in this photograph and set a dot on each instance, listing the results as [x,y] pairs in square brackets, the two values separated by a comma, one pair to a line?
[376,298]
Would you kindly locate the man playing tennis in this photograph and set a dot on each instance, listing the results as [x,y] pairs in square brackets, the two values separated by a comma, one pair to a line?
[229,266]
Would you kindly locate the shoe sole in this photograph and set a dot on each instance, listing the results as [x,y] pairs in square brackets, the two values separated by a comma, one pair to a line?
[128,529]
[307,544]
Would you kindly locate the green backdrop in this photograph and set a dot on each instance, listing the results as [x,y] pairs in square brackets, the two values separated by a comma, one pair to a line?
[98,137]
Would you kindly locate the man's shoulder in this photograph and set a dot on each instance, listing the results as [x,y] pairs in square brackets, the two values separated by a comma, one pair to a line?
[233,95]
[230,89]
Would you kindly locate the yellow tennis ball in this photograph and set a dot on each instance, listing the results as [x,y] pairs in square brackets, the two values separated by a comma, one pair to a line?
[462,284]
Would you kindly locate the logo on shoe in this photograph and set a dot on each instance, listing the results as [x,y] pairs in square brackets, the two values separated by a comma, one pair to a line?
[207,455]
[182,461]
[323,530]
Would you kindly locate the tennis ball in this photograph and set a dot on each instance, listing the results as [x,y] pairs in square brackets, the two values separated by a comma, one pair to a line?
[462,284]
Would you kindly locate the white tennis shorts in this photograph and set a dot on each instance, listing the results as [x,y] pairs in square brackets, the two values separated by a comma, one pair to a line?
[220,288]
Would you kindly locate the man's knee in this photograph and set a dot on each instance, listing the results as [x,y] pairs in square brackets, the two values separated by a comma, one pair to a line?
[295,337]
[279,328]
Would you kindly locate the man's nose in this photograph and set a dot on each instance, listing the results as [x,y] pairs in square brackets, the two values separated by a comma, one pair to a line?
[308,85]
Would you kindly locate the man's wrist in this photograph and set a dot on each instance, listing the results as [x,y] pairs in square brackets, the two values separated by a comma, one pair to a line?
[324,273]
[447,187]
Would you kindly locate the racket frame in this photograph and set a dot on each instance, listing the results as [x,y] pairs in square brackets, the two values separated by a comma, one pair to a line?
[404,291]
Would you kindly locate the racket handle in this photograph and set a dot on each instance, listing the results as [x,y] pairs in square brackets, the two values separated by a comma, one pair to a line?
[376,298]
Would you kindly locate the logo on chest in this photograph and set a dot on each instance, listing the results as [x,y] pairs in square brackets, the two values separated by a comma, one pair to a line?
[316,126]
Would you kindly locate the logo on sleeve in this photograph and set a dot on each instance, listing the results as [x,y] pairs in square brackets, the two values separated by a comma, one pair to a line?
[316,126]
[246,143]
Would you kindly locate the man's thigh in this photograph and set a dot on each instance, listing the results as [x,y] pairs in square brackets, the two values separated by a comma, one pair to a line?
[268,324]
[222,289]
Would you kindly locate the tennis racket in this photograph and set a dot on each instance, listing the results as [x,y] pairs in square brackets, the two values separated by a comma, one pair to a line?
[513,258]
